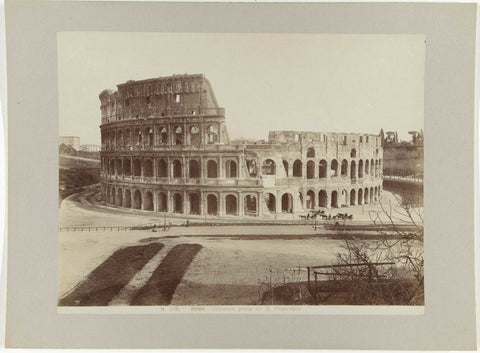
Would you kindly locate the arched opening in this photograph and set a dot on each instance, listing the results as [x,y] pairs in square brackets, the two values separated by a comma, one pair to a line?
[148,137]
[194,204]
[268,167]
[162,202]
[148,201]
[300,196]
[376,194]
[120,138]
[112,167]
[344,168]
[360,196]
[344,199]
[112,196]
[252,167]
[271,202]
[352,198]
[376,168]
[322,169]
[231,169]
[212,205]
[231,205]
[163,136]
[195,136]
[137,200]
[177,203]
[366,198]
[367,165]
[128,137]
[360,168]
[285,166]
[310,169]
[127,168]
[148,168]
[334,202]
[137,167]
[297,168]
[322,198]
[162,168]
[138,136]
[310,152]
[212,169]
[177,169]
[353,153]
[178,135]
[353,170]
[250,205]
[371,195]
[119,197]
[310,199]
[119,166]
[212,134]
[334,167]
[128,199]
[372,167]
[112,138]
[287,203]
[193,169]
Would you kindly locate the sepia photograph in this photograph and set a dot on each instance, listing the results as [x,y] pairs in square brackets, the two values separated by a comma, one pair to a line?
[233,169]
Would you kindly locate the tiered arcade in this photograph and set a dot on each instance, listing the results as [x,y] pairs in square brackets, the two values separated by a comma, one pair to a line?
[165,148]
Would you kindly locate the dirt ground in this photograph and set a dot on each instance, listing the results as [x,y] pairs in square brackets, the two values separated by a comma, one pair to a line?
[235,264]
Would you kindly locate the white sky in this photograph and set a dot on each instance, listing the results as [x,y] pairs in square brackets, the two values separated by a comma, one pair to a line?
[313,82]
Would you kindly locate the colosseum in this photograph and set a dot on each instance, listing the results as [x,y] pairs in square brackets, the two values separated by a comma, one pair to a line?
[165,148]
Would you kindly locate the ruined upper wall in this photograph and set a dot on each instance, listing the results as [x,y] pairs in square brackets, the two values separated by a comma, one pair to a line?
[309,137]
[163,96]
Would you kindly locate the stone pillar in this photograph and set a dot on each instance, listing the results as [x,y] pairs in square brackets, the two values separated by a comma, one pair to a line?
[186,202]
[221,166]
[278,201]
[169,202]
[260,203]
[203,208]
[241,204]
[143,193]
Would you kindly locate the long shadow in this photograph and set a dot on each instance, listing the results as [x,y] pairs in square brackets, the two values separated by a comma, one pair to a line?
[103,283]
[166,277]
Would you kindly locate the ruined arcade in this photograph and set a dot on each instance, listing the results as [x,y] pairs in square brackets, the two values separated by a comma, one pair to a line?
[165,148]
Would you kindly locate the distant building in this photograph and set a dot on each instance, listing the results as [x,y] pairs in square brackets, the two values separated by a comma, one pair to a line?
[72,141]
[90,148]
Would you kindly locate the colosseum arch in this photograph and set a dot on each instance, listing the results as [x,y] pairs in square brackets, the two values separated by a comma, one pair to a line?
[271,202]
[194,136]
[119,166]
[112,138]
[310,199]
[119,197]
[178,131]
[212,205]
[137,167]
[137,136]
[162,202]
[127,167]
[287,203]
[322,198]
[366,198]
[360,196]
[376,194]
[353,153]
[128,199]
[353,170]
[137,200]
[360,168]
[148,137]
[212,169]
[310,169]
[268,167]
[311,152]
[177,203]
[297,168]
[112,195]
[372,167]
[231,169]
[344,168]
[120,138]
[112,167]
[371,195]
[231,205]
[148,168]
[367,169]
[162,168]
[344,198]
[177,169]
[250,204]
[128,137]
[194,203]
[163,136]
[353,200]
[148,201]
[193,169]
[322,169]
[212,134]
[334,201]
[334,167]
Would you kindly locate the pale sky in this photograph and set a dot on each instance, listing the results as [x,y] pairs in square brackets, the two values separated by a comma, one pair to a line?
[307,82]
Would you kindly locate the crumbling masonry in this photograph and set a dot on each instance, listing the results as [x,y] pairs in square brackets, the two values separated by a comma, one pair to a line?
[165,148]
